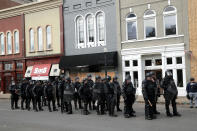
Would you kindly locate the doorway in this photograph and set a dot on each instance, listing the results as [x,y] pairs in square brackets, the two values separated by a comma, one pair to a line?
[158,74]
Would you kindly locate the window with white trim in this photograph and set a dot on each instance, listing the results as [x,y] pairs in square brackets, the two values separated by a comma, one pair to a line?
[90,30]
[9,43]
[80,32]
[170,20]
[48,38]
[40,39]
[31,35]
[131,21]
[150,24]
[16,42]
[2,43]
[100,23]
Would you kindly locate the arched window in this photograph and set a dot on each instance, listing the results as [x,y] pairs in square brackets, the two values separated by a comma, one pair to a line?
[48,37]
[16,42]
[9,43]
[80,32]
[90,30]
[40,39]
[100,23]
[131,21]
[170,20]
[150,24]
[2,44]
[31,36]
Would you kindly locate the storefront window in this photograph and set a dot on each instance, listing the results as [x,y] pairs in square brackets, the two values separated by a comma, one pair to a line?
[169,61]
[148,62]
[179,78]
[8,66]
[127,63]
[135,63]
[178,60]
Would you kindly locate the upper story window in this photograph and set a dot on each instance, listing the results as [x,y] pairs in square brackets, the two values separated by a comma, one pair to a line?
[40,39]
[90,30]
[100,23]
[48,37]
[170,20]
[80,32]
[31,35]
[16,42]
[9,43]
[2,44]
[131,21]
[150,24]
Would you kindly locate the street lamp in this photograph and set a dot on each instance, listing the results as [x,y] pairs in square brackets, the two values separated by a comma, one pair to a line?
[105,51]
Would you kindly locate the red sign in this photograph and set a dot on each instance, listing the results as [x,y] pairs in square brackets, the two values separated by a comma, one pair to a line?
[41,70]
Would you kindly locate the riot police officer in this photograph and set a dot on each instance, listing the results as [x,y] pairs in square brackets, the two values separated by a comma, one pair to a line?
[68,94]
[55,84]
[117,86]
[128,92]
[23,88]
[37,92]
[86,95]
[14,90]
[77,99]
[148,90]
[90,83]
[50,92]
[99,96]
[170,93]
[30,96]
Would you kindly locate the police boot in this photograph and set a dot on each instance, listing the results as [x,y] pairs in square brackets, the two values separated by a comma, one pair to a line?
[126,115]
[149,118]
[176,114]
[169,114]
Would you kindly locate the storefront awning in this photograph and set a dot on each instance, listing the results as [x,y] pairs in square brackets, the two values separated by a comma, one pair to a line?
[40,72]
[28,71]
[108,59]
[55,71]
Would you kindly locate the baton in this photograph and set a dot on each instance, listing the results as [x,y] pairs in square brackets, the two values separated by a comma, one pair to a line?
[150,103]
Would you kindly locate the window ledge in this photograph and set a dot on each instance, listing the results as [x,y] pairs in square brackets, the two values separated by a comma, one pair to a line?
[49,49]
[40,50]
[16,53]
[31,51]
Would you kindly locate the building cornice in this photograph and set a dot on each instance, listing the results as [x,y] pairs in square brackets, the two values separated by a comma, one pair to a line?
[30,8]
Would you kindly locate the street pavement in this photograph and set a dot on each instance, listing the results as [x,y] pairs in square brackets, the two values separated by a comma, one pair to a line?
[18,120]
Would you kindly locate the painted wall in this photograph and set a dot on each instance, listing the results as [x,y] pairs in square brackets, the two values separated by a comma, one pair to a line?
[71,12]
[42,19]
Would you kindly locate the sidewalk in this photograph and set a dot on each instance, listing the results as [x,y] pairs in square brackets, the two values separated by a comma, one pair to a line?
[4,96]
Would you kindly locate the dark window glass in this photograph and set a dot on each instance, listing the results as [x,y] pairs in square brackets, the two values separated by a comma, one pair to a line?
[178,60]
[132,30]
[148,62]
[135,63]
[169,61]
[127,63]
[19,65]
[158,62]
[170,25]
[127,73]
[135,76]
[180,78]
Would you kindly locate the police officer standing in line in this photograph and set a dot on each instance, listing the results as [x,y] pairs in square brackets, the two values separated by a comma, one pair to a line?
[86,95]
[23,87]
[55,84]
[14,95]
[117,86]
[128,92]
[50,92]
[170,93]
[77,99]
[37,92]
[90,83]
[30,96]
[99,96]
[68,94]
[148,91]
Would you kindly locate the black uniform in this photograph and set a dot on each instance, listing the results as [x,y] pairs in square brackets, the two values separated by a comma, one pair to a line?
[38,93]
[170,93]
[55,84]
[14,96]
[148,90]
[86,95]
[77,99]
[117,86]
[30,96]
[91,103]
[128,92]
[68,95]
[50,92]
[23,88]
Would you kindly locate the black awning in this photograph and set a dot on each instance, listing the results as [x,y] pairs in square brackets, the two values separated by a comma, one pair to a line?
[89,60]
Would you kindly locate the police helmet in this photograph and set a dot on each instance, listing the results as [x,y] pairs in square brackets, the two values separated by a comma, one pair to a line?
[98,77]
[128,77]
